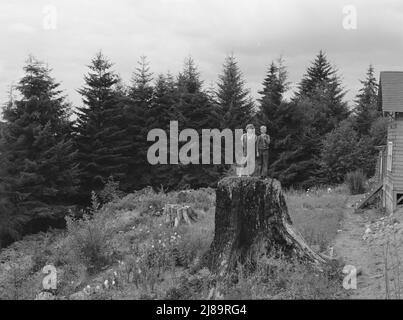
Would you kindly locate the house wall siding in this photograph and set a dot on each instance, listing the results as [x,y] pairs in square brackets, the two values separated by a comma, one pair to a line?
[393,180]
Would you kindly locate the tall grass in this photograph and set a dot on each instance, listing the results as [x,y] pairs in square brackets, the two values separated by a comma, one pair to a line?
[356,182]
[317,214]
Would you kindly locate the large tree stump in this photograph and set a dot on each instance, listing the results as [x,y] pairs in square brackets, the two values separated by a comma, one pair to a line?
[251,219]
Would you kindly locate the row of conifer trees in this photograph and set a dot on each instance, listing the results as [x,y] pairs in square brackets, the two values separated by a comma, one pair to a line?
[53,154]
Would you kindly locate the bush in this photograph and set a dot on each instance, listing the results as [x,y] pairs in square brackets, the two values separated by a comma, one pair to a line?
[356,182]
[110,192]
[88,237]
[344,150]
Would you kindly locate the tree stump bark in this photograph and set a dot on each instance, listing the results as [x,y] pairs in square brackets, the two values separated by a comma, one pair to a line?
[251,219]
[176,214]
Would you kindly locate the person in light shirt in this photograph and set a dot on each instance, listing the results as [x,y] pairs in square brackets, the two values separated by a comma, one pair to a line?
[249,139]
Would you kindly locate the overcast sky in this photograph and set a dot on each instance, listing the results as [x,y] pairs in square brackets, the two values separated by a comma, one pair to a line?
[67,33]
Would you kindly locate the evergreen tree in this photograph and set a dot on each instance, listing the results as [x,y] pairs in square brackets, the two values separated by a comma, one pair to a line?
[193,109]
[159,117]
[234,101]
[189,79]
[320,96]
[137,116]
[366,109]
[294,147]
[101,135]
[269,114]
[38,171]
[322,86]
[275,84]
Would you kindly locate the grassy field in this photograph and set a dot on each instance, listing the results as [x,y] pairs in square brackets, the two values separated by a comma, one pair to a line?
[317,214]
[126,250]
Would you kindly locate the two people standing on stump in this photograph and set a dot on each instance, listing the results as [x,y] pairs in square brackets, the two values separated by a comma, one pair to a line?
[261,154]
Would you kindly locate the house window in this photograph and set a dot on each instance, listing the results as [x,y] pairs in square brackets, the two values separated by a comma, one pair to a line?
[389,160]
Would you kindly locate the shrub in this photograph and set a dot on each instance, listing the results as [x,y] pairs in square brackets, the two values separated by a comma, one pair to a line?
[110,192]
[356,182]
[344,151]
[88,237]
[203,198]
[40,258]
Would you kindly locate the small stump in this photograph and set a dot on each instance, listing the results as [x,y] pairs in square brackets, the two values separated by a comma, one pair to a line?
[175,214]
[252,219]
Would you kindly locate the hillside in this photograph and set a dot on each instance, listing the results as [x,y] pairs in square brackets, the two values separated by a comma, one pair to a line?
[126,250]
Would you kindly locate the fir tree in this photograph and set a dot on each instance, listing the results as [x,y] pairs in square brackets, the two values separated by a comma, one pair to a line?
[159,117]
[39,172]
[320,96]
[137,116]
[193,109]
[274,86]
[322,86]
[366,109]
[189,79]
[101,135]
[234,101]
[294,147]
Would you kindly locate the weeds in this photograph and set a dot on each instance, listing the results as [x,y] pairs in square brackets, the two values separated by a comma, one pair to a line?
[356,182]
[145,258]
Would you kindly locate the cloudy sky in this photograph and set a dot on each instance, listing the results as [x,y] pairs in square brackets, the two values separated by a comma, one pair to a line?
[67,33]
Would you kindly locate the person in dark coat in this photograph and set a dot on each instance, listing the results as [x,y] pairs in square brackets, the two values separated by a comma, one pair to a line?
[263,142]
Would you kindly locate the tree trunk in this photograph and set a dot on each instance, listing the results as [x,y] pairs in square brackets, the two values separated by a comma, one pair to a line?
[251,219]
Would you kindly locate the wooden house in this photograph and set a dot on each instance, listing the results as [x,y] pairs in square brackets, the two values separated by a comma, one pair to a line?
[390,160]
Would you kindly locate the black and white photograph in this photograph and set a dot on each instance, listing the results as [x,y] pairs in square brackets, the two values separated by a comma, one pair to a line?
[212,151]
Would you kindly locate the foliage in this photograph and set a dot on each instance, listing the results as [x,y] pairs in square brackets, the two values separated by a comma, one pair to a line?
[101,137]
[235,104]
[110,192]
[356,181]
[37,156]
[88,238]
[367,106]
[344,151]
